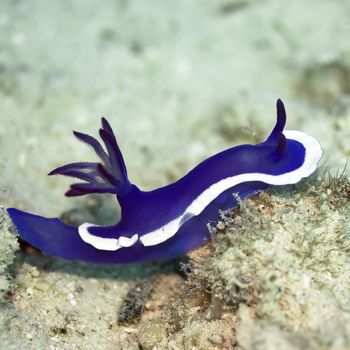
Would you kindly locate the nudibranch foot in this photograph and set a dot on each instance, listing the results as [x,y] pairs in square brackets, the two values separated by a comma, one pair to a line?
[58,239]
[171,220]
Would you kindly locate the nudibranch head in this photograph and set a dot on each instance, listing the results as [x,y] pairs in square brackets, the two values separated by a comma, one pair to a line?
[171,220]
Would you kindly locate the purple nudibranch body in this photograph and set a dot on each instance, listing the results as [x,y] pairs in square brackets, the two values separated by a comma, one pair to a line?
[171,220]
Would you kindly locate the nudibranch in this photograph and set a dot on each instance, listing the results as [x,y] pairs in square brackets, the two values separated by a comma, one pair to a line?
[173,219]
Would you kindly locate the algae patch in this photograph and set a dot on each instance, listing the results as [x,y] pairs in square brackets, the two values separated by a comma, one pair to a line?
[282,264]
[9,245]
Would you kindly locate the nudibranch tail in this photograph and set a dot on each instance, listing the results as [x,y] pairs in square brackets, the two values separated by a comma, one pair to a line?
[54,237]
[110,176]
